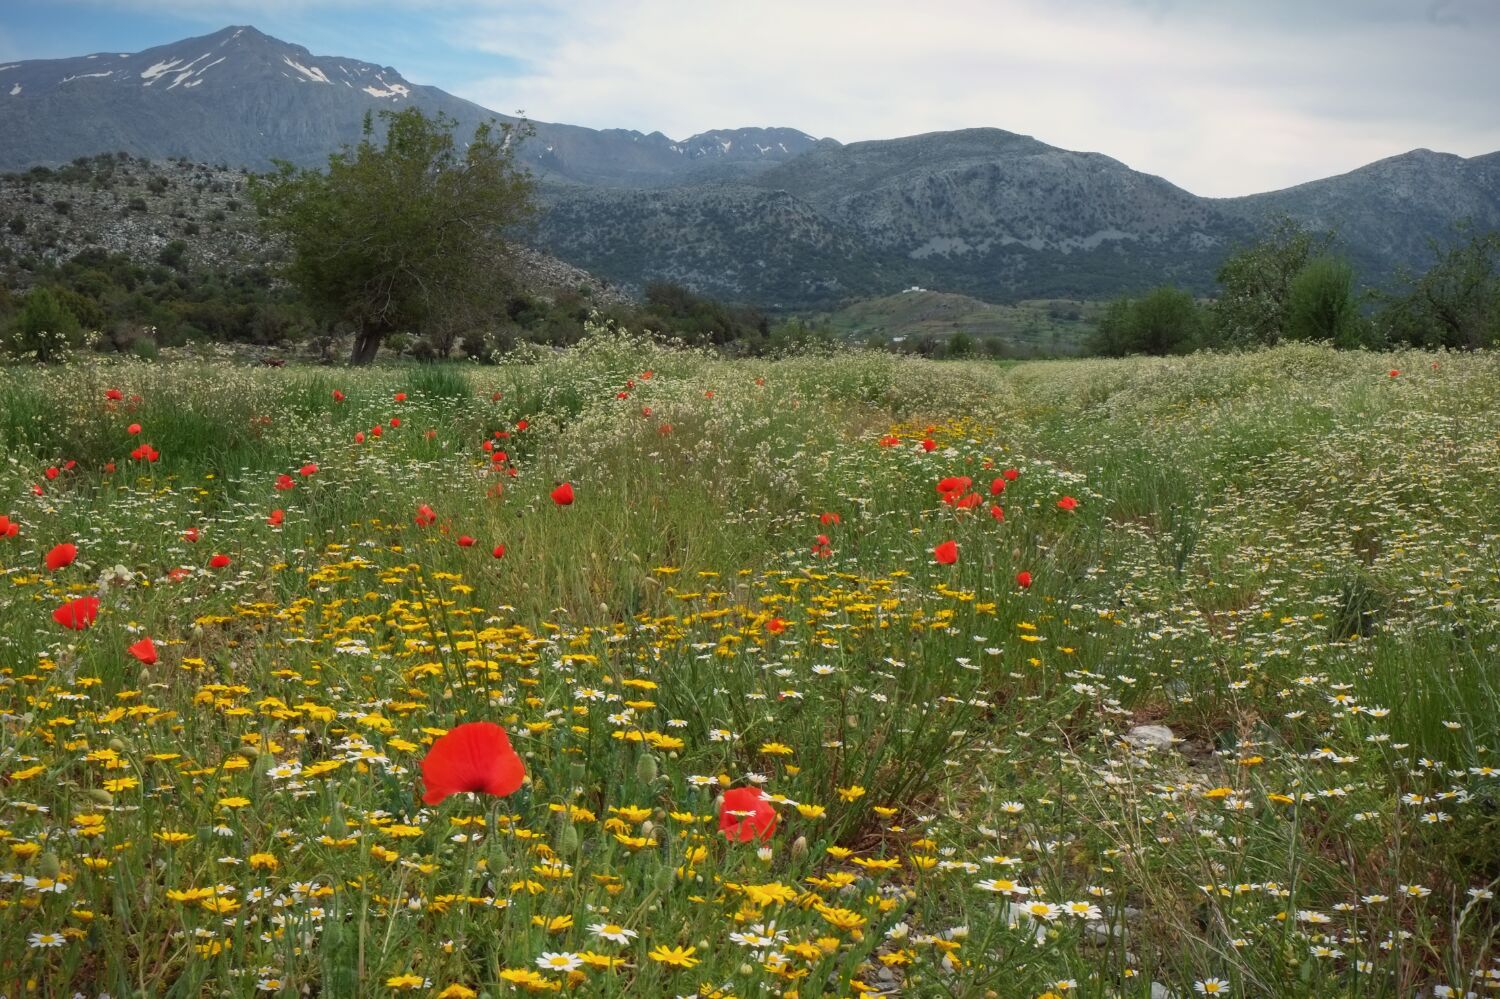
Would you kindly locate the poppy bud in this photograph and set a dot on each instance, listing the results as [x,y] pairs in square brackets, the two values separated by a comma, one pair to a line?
[664,878]
[645,768]
[249,752]
[567,839]
[100,796]
[49,865]
[799,847]
[117,744]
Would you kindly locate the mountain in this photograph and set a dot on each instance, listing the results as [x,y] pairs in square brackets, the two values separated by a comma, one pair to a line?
[771,216]
[241,97]
[1386,212]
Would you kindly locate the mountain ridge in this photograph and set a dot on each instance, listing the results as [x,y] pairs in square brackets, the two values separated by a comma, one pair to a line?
[768,215]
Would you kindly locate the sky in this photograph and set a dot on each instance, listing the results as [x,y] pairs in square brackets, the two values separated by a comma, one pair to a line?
[1222,97]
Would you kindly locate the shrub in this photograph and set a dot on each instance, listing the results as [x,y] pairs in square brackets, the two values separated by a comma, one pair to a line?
[45,331]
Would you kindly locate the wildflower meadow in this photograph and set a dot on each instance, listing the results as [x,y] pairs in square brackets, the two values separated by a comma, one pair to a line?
[635,671]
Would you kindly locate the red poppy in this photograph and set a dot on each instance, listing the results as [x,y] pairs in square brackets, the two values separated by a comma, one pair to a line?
[1395,373]
[400,396]
[474,756]
[776,626]
[377,430]
[144,650]
[709,394]
[133,429]
[1011,474]
[522,424]
[191,534]
[745,815]
[494,397]
[219,562]
[178,574]
[145,453]
[954,484]
[830,518]
[889,440]
[648,375]
[395,422]
[52,473]
[665,428]
[499,551]
[946,553]
[929,444]
[285,482]
[996,512]
[1023,579]
[61,556]
[359,437]
[464,541]
[563,494]
[77,615]
[9,528]
[968,502]
[1067,503]
[622,395]
[276,518]
[113,395]
[338,396]
[308,469]
[109,468]
[997,487]
[430,435]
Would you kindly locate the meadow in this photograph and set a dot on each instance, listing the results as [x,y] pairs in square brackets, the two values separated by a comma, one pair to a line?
[829,676]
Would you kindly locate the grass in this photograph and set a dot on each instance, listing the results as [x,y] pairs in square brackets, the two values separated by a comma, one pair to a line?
[1040,326]
[1288,557]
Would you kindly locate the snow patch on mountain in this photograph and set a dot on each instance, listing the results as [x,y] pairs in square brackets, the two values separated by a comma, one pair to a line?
[396,90]
[15,90]
[313,73]
[150,73]
[83,76]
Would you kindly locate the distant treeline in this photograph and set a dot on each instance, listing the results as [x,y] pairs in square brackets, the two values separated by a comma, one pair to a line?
[1293,285]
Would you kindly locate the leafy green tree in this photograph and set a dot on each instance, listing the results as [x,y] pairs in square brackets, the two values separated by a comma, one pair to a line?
[406,235]
[1321,306]
[1256,285]
[1164,321]
[1456,303]
[45,330]
[1111,336]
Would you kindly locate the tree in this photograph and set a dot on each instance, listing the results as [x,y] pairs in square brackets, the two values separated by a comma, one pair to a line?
[45,329]
[1456,303]
[1320,304]
[1164,321]
[408,235]
[1256,284]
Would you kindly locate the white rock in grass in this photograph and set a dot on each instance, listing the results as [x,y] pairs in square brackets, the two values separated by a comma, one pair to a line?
[1150,737]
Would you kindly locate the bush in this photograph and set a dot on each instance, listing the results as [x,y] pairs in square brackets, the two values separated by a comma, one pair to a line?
[45,330]
[1320,304]
[1164,321]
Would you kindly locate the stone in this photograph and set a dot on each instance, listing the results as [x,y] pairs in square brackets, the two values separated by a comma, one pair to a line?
[1150,737]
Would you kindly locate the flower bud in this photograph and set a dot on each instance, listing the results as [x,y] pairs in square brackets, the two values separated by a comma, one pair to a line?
[645,768]
[100,796]
[49,865]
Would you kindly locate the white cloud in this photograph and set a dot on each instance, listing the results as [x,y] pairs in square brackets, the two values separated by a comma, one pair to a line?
[1222,99]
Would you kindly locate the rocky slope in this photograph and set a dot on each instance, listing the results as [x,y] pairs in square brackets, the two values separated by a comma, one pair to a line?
[765,215]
